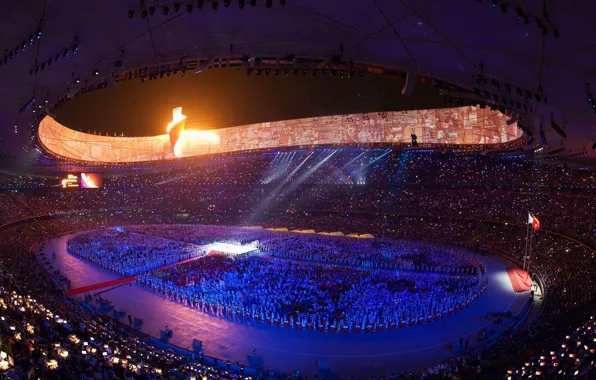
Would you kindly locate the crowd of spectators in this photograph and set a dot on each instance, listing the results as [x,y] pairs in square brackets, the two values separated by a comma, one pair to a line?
[466,185]
[47,335]
[448,230]
[571,357]
[470,200]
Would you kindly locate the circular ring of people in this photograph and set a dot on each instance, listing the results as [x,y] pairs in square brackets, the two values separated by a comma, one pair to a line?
[305,281]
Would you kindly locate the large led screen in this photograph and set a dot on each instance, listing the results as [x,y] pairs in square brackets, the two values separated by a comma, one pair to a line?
[70,181]
[91,180]
[463,125]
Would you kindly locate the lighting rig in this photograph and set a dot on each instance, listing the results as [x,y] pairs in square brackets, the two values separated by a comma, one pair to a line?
[188,6]
[560,130]
[462,97]
[145,75]
[518,113]
[27,105]
[333,66]
[591,99]
[543,136]
[581,153]
[496,88]
[20,48]
[543,21]
[55,58]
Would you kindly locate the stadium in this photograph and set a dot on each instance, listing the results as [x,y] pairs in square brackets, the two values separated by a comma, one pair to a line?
[273,189]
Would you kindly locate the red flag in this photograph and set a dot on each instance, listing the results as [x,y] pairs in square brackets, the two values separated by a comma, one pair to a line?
[535,223]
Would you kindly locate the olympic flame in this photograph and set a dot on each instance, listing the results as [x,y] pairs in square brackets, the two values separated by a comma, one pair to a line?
[188,142]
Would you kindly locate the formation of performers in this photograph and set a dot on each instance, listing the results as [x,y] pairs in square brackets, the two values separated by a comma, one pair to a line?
[304,281]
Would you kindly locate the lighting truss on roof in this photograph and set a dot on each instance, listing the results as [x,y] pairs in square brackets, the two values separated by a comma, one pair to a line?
[28,104]
[61,54]
[526,15]
[486,100]
[591,100]
[145,10]
[20,47]
[560,130]
[332,66]
[489,84]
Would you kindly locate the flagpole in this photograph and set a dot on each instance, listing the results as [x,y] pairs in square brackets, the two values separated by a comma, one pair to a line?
[530,251]
[526,249]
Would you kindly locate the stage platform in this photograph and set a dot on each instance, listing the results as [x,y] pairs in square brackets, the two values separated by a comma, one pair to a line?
[231,249]
[289,350]
[520,281]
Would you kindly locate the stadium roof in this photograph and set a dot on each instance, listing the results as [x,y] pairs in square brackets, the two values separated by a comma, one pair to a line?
[553,55]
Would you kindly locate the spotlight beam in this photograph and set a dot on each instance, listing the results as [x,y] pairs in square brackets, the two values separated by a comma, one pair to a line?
[269,200]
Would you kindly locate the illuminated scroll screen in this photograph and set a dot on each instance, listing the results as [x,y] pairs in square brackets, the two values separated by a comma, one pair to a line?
[91,180]
[462,125]
[70,181]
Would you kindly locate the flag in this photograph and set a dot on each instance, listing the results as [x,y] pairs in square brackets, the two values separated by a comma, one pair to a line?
[535,223]
[285,62]
[215,64]
[530,219]
[234,62]
[190,65]
[271,61]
